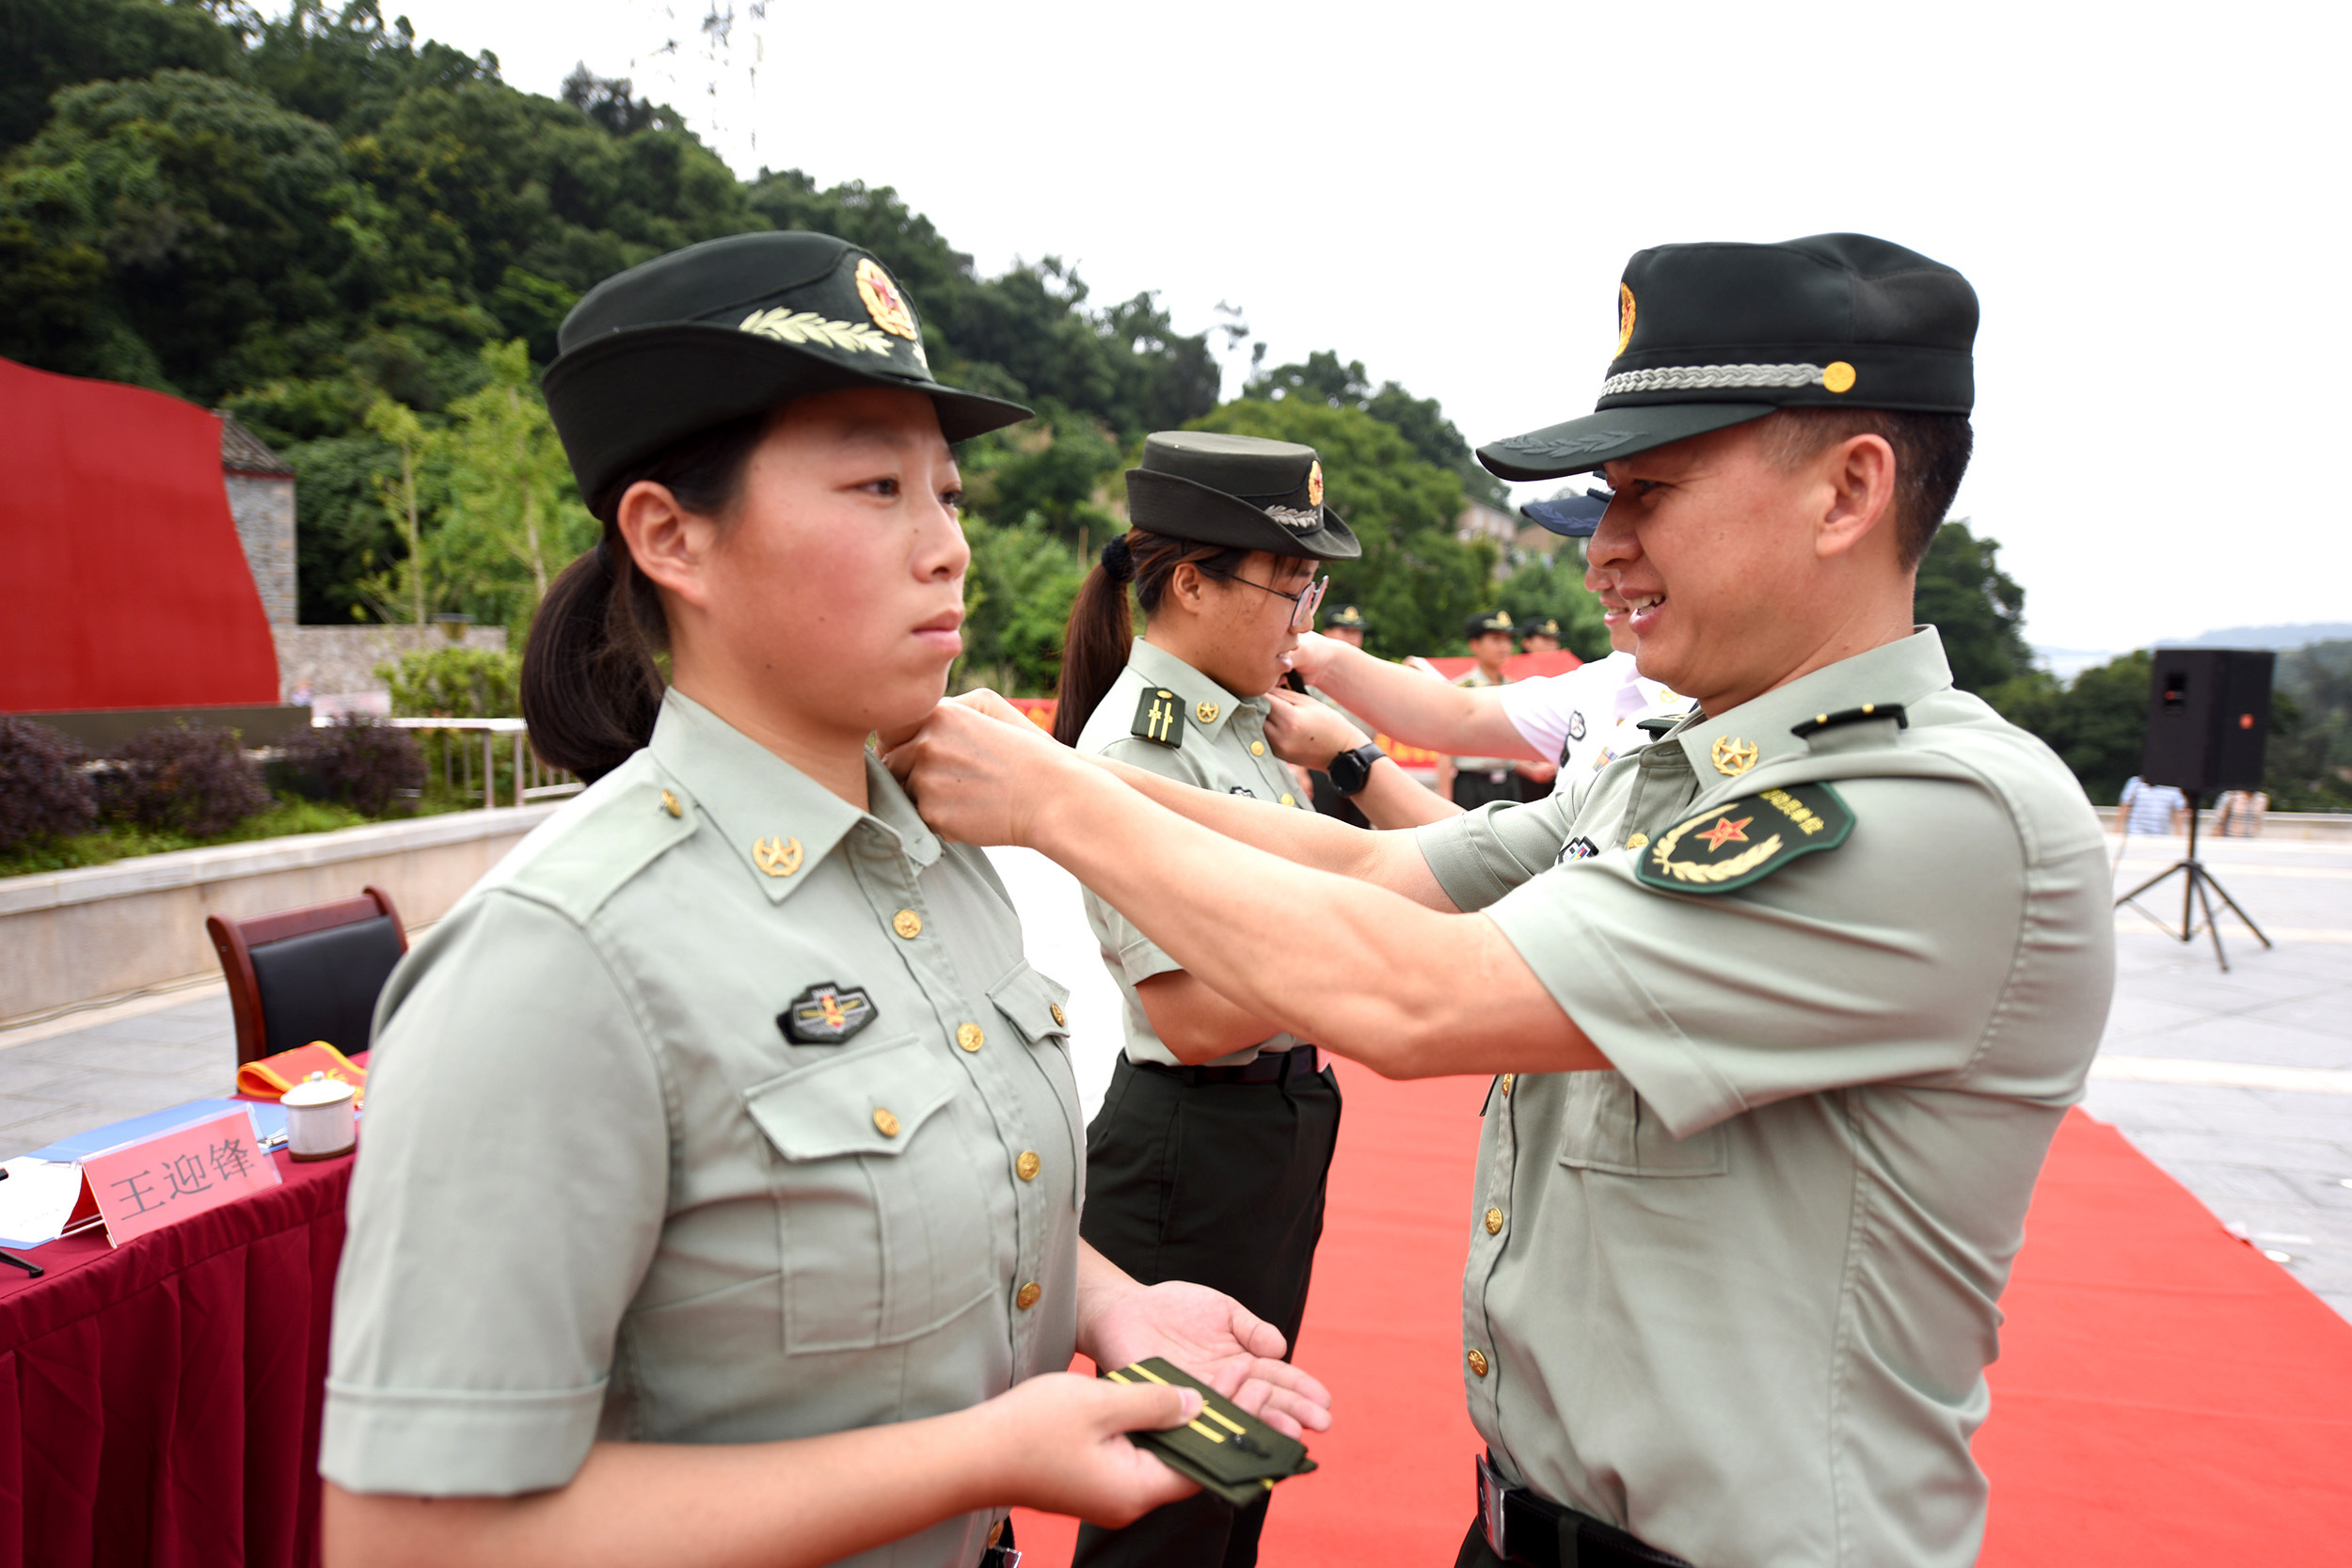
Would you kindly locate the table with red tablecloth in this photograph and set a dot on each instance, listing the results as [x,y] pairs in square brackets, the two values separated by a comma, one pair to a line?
[159,1402]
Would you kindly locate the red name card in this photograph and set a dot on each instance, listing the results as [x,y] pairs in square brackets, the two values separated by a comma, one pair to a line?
[146,1185]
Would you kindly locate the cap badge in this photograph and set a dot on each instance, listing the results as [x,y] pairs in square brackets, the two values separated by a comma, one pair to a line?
[1731,756]
[1314,483]
[1625,317]
[777,857]
[800,327]
[1502,618]
[882,300]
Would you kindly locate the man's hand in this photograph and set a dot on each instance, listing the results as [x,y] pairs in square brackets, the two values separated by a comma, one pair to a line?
[1314,655]
[1307,733]
[1063,1441]
[978,769]
[1214,1337]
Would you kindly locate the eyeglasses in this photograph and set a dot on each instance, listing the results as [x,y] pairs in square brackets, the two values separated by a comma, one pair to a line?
[1303,604]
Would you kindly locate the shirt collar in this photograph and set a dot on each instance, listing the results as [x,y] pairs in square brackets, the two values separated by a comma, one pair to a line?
[1757,732]
[1200,694]
[776,819]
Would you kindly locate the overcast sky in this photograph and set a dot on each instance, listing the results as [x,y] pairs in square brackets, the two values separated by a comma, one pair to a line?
[2151,201]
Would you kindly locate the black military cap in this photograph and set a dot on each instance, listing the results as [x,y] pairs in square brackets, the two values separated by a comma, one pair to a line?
[734,326]
[1716,335]
[1493,620]
[1548,627]
[1243,492]
[1347,618]
[1577,517]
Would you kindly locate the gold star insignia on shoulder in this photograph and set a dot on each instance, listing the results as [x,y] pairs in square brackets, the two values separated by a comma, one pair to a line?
[777,857]
[1746,840]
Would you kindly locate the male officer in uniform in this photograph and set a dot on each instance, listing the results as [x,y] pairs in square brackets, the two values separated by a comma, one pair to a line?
[1784,1008]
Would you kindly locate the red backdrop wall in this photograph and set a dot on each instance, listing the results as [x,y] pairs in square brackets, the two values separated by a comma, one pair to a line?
[126,585]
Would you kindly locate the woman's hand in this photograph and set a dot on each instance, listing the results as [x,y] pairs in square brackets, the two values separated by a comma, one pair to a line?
[1062,1440]
[978,769]
[1314,655]
[1214,1337]
[1307,733]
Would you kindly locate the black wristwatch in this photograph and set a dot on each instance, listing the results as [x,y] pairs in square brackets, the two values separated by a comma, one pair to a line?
[1351,770]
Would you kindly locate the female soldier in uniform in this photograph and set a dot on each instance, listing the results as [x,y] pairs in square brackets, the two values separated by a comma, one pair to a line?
[1207,1160]
[722,1171]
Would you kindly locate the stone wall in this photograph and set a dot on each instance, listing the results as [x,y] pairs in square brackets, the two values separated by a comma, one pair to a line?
[340,660]
[263,507]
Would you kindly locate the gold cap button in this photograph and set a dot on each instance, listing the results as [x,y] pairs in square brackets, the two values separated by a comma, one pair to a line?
[969,1036]
[1506,1083]
[1055,1007]
[1637,841]
[669,803]
[907,924]
[1028,1165]
[1478,1362]
[884,1123]
[1257,748]
[1028,1298]
[1494,1222]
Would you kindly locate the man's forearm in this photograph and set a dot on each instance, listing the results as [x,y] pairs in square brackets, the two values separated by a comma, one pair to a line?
[1456,720]
[1394,800]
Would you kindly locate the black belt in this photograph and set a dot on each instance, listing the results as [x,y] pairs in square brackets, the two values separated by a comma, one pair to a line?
[1267,1067]
[1520,1527]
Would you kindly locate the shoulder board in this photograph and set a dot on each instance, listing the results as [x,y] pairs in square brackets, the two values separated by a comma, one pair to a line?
[600,852]
[1659,725]
[1746,840]
[1160,718]
[1820,721]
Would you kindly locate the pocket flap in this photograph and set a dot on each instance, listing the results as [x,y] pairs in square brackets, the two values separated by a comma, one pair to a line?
[867,1102]
[1034,1002]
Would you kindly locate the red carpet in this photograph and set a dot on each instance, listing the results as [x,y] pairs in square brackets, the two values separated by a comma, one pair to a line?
[2165,1394]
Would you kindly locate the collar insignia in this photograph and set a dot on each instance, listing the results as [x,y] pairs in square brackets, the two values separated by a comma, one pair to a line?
[1205,712]
[1731,756]
[777,857]
[827,1014]
[883,302]
[1714,852]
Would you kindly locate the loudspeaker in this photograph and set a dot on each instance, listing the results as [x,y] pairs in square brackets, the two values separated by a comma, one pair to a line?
[2208,718]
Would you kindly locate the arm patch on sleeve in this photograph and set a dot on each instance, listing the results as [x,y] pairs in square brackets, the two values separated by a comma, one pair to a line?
[1746,840]
[1159,718]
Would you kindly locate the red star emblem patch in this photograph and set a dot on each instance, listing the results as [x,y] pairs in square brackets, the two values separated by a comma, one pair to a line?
[1726,831]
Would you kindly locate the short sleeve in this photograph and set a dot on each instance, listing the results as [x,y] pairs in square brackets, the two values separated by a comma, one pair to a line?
[1138,957]
[510,1186]
[1481,855]
[1538,708]
[1883,960]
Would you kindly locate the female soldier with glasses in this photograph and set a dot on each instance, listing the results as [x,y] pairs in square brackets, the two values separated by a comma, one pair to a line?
[1207,1160]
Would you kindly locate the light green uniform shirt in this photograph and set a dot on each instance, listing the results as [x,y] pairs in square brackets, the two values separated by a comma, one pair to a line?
[1738,1295]
[1221,746]
[601,1194]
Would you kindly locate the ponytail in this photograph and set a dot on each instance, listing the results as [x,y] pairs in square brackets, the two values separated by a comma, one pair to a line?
[1096,643]
[591,684]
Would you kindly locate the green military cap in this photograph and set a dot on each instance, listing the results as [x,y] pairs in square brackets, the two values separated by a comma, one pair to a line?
[1492,620]
[730,327]
[1348,618]
[1243,492]
[1548,627]
[1715,335]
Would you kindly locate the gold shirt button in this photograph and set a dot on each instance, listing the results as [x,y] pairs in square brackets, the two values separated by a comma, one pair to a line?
[1494,1222]
[1506,1083]
[1257,748]
[1028,1298]
[969,1036]
[884,1123]
[1478,1362]
[1060,1021]
[907,924]
[1290,799]
[1028,1165]
[669,803]
[1636,841]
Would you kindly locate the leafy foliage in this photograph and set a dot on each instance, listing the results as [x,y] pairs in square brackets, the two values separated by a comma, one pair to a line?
[1323,379]
[2309,766]
[43,791]
[2098,725]
[456,683]
[365,766]
[1017,598]
[194,779]
[1980,608]
[1555,587]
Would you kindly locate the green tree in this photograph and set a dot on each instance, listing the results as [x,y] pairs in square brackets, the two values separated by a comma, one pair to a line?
[1554,586]
[1416,582]
[404,589]
[512,518]
[2309,764]
[1978,608]
[1422,423]
[51,44]
[1017,598]
[2097,726]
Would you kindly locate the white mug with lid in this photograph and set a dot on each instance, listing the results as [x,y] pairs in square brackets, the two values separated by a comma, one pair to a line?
[321,1118]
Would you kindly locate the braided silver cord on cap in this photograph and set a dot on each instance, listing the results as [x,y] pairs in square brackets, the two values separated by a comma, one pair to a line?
[1694,379]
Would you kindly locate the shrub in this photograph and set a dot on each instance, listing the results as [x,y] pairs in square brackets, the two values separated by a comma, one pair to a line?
[194,778]
[43,791]
[456,683]
[362,765]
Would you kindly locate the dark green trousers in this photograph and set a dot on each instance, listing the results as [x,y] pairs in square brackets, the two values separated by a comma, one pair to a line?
[1220,1184]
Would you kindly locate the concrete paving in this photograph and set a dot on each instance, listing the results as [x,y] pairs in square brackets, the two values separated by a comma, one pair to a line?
[2273,1164]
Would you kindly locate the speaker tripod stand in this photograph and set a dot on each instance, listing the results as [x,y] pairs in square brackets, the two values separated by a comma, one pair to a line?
[2195,880]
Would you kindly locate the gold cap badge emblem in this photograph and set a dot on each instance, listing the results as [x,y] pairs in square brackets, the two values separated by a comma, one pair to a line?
[1314,483]
[1731,756]
[777,857]
[882,300]
[1625,317]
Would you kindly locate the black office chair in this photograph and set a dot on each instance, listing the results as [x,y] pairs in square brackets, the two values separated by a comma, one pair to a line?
[306,975]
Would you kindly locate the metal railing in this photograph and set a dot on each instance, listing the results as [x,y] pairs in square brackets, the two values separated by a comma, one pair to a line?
[533,780]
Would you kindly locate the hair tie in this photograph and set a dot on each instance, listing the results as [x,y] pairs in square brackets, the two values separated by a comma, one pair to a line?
[604,556]
[1118,561]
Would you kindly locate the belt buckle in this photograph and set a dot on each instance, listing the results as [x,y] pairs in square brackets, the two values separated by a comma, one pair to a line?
[1492,1490]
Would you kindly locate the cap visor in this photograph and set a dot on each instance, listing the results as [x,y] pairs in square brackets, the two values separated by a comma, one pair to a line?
[1578,518]
[1583,445]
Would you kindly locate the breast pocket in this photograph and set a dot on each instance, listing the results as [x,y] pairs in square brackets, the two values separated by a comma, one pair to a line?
[1605,1127]
[884,1231]
[1035,1005]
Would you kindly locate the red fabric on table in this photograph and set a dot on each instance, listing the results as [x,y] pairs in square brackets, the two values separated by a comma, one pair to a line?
[2166,1395]
[159,1402]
